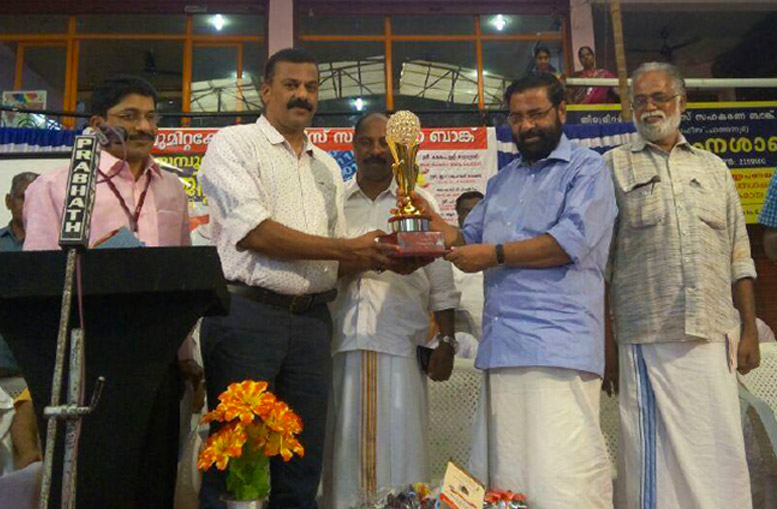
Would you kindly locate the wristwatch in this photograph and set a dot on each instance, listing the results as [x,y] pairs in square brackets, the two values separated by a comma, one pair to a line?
[500,254]
[450,340]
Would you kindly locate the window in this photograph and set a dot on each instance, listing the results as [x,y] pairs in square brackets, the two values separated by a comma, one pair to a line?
[7,65]
[515,24]
[728,42]
[435,75]
[505,61]
[131,24]
[228,24]
[33,24]
[426,63]
[44,69]
[352,76]
[309,23]
[42,53]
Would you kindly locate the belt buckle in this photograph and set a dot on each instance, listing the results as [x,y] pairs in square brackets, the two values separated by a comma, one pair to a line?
[300,303]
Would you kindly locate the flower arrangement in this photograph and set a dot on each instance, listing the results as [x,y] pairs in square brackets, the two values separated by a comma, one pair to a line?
[501,498]
[256,426]
[421,496]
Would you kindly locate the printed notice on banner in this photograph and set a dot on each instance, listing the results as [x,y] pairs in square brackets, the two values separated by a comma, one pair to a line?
[460,490]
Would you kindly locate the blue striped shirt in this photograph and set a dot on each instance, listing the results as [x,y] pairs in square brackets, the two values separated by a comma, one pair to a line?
[768,216]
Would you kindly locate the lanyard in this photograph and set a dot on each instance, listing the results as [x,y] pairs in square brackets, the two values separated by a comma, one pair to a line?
[133,218]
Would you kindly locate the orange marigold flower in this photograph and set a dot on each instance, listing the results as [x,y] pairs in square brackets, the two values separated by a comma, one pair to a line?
[286,446]
[274,433]
[221,446]
[283,419]
[216,414]
[245,400]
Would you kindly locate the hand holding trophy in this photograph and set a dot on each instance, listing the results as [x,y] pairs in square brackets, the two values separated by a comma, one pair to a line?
[409,226]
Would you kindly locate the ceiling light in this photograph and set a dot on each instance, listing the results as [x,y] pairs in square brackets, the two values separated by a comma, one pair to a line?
[499,22]
[218,22]
[358,104]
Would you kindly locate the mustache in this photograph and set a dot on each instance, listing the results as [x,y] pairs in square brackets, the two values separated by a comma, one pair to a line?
[299,103]
[142,137]
[375,160]
[530,133]
[653,114]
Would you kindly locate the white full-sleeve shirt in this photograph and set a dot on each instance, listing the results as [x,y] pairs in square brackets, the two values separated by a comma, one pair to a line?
[387,312]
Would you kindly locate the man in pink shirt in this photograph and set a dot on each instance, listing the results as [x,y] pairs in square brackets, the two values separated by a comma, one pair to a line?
[132,190]
[133,193]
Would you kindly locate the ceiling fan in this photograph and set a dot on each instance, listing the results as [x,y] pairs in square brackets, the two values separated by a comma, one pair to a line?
[666,51]
[150,67]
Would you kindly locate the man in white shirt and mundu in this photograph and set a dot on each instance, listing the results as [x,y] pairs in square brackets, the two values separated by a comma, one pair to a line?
[276,208]
[377,434]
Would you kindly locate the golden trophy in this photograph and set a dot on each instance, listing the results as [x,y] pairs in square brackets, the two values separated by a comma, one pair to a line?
[409,227]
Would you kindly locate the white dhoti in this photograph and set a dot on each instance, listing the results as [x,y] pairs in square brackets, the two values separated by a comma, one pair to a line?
[681,442]
[377,427]
[545,438]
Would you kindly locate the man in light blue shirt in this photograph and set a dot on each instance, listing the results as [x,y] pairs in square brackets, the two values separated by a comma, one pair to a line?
[542,235]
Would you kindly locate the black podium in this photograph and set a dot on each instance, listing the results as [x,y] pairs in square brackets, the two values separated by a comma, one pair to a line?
[139,305]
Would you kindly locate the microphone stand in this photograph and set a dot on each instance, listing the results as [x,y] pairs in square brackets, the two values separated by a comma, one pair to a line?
[79,203]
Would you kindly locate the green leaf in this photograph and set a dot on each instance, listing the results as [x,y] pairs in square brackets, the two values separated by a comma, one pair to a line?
[248,477]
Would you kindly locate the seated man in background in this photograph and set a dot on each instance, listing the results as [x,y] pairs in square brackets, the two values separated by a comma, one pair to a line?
[12,236]
[12,239]
[469,314]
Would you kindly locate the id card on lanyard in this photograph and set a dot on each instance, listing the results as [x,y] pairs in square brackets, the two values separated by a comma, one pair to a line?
[132,217]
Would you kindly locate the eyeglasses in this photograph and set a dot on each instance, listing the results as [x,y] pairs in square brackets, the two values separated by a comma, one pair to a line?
[640,101]
[532,116]
[134,116]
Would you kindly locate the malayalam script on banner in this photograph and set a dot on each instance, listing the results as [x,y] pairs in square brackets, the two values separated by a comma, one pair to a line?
[743,134]
[452,160]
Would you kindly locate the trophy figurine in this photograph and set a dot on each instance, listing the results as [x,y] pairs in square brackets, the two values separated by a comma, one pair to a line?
[409,227]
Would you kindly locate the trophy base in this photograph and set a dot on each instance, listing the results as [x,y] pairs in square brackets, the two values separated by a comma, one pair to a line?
[411,234]
[409,224]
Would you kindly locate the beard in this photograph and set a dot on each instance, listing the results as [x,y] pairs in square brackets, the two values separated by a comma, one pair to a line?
[540,148]
[660,130]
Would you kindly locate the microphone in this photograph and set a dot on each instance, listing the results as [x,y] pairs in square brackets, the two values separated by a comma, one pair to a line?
[107,134]
[80,193]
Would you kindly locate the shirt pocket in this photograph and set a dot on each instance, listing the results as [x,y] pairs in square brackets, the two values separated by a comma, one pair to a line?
[708,202]
[643,204]
[328,196]
[544,210]
[169,227]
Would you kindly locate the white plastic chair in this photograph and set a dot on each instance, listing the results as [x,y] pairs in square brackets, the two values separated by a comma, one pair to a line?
[452,411]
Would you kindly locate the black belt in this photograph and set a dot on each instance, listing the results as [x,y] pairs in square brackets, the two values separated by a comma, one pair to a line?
[294,303]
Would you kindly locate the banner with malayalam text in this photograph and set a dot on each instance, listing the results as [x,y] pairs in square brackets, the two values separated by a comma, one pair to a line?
[743,134]
[452,160]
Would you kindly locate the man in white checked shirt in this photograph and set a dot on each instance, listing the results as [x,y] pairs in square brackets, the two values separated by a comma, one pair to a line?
[277,221]
[679,251]
[377,433]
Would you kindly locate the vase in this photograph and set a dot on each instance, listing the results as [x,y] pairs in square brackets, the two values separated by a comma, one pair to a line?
[246,504]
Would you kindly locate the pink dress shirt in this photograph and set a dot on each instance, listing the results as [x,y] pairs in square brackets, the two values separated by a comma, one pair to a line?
[163,221]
